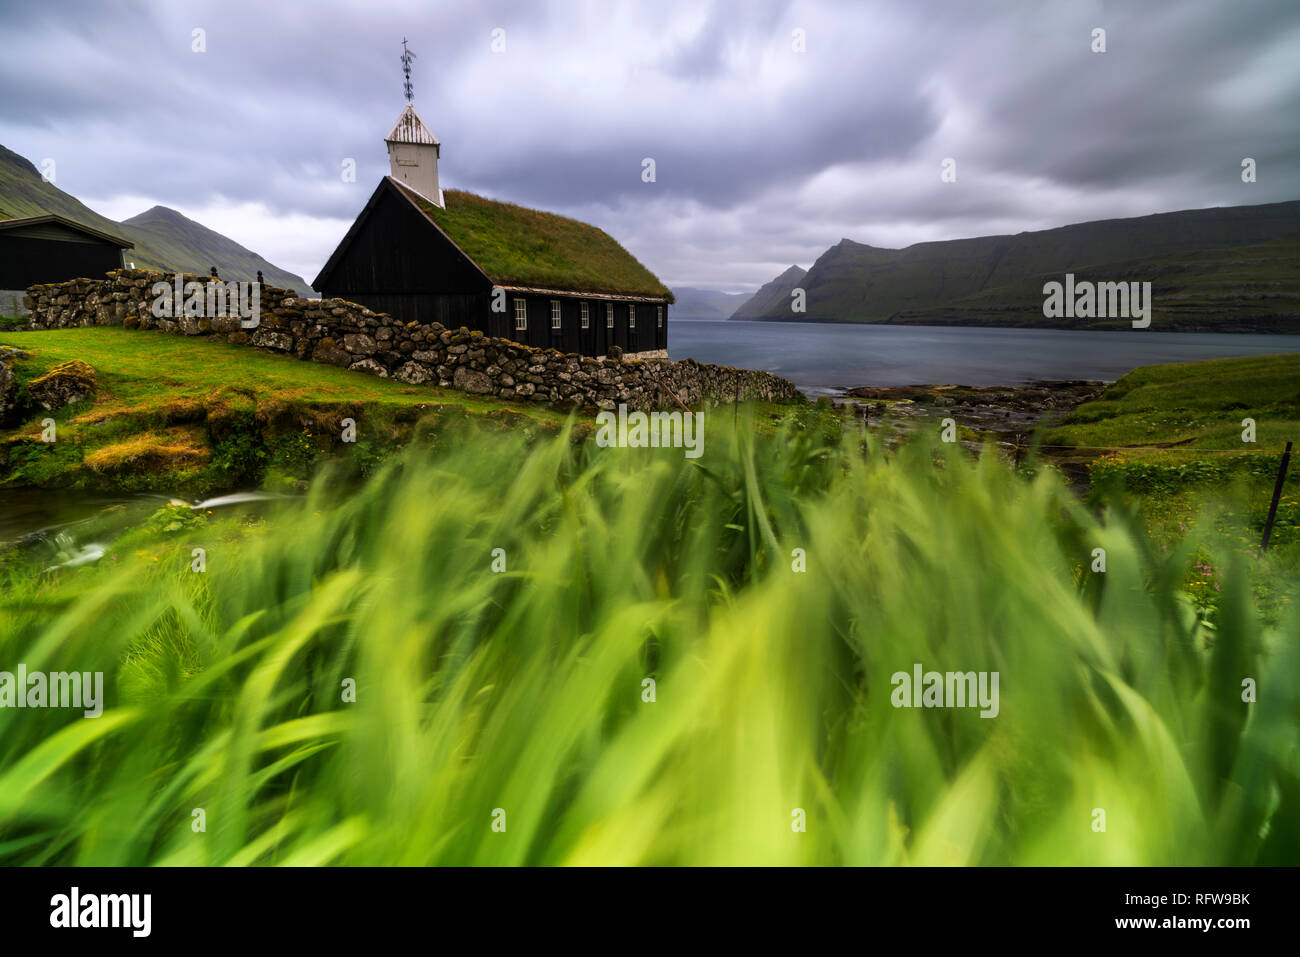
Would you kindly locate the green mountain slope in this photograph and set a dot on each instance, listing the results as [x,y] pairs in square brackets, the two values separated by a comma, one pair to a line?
[164,239]
[180,240]
[772,301]
[1252,288]
[853,282]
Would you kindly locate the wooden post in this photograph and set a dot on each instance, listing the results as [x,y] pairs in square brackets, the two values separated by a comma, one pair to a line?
[866,430]
[1277,495]
[1020,437]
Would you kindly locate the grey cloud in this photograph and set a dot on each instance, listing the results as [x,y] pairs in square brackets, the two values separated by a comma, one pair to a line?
[764,157]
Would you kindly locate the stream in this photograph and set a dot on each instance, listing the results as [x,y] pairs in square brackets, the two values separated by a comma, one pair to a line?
[68,528]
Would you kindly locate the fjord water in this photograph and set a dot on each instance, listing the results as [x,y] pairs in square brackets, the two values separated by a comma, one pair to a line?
[823,358]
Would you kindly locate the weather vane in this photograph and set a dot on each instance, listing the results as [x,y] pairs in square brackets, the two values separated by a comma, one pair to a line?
[407,56]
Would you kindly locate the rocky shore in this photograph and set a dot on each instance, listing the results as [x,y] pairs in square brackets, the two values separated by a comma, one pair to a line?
[1008,413]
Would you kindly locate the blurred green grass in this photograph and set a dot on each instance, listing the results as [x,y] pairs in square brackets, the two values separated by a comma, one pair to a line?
[522,690]
[1192,405]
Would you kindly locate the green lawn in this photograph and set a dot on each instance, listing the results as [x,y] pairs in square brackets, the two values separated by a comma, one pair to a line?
[1172,435]
[177,412]
[1198,405]
[140,369]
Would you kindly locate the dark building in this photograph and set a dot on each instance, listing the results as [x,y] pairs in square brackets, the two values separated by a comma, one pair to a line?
[424,255]
[41,249]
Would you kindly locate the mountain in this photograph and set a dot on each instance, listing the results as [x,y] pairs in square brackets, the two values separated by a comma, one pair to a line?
[177,239]
[24,193]
[695,303]
[1252,288]
[772,301]
[853,282]
[163,238]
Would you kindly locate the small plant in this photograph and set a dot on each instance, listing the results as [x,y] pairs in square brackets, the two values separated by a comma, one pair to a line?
[239,459]
[294,453]
[175,517]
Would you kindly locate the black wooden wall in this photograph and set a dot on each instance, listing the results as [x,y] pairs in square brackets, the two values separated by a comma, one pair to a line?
[474,311]
[593,341]
[395,252]
[26,261]
[453,311]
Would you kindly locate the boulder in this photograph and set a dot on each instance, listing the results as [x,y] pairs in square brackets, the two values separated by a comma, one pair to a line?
[69,382]
[369,366]
[467,380]
[328,351]
[415,373]
[359,344]
[266,339]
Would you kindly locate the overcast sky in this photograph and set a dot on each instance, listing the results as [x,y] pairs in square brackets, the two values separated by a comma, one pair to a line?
[764,155]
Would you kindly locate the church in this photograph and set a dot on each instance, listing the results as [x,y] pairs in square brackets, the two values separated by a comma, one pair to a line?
[422,254]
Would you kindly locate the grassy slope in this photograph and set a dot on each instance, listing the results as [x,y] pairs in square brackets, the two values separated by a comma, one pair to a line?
[514,244]
[166,403]
[1193,405]
[167,242]
[1178,416]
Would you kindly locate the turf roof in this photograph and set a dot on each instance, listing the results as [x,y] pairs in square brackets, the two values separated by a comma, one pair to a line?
[528,247]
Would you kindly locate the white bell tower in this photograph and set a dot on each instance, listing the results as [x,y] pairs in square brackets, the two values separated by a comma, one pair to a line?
[413,151]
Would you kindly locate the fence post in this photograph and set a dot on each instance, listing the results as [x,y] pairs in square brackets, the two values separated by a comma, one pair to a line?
[1277,495]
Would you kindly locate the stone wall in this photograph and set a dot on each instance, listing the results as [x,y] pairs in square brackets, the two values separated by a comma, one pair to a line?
[13,302]
[344,334]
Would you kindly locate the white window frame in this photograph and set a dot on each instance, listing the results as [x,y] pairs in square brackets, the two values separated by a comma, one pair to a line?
[521,315]
[631,315]
[609,315]
[556,322]
[659,317]
[586,316]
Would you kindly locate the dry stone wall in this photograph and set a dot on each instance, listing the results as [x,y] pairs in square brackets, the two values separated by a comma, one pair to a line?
[344,334]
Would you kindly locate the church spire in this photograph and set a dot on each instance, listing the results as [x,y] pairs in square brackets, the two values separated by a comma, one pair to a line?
[413,150]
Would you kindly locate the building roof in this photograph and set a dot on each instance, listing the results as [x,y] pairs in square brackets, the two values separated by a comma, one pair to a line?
[70,224]
[409,128]
[520,247]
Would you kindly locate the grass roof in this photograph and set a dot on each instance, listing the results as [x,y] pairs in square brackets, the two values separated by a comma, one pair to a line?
[527,247]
